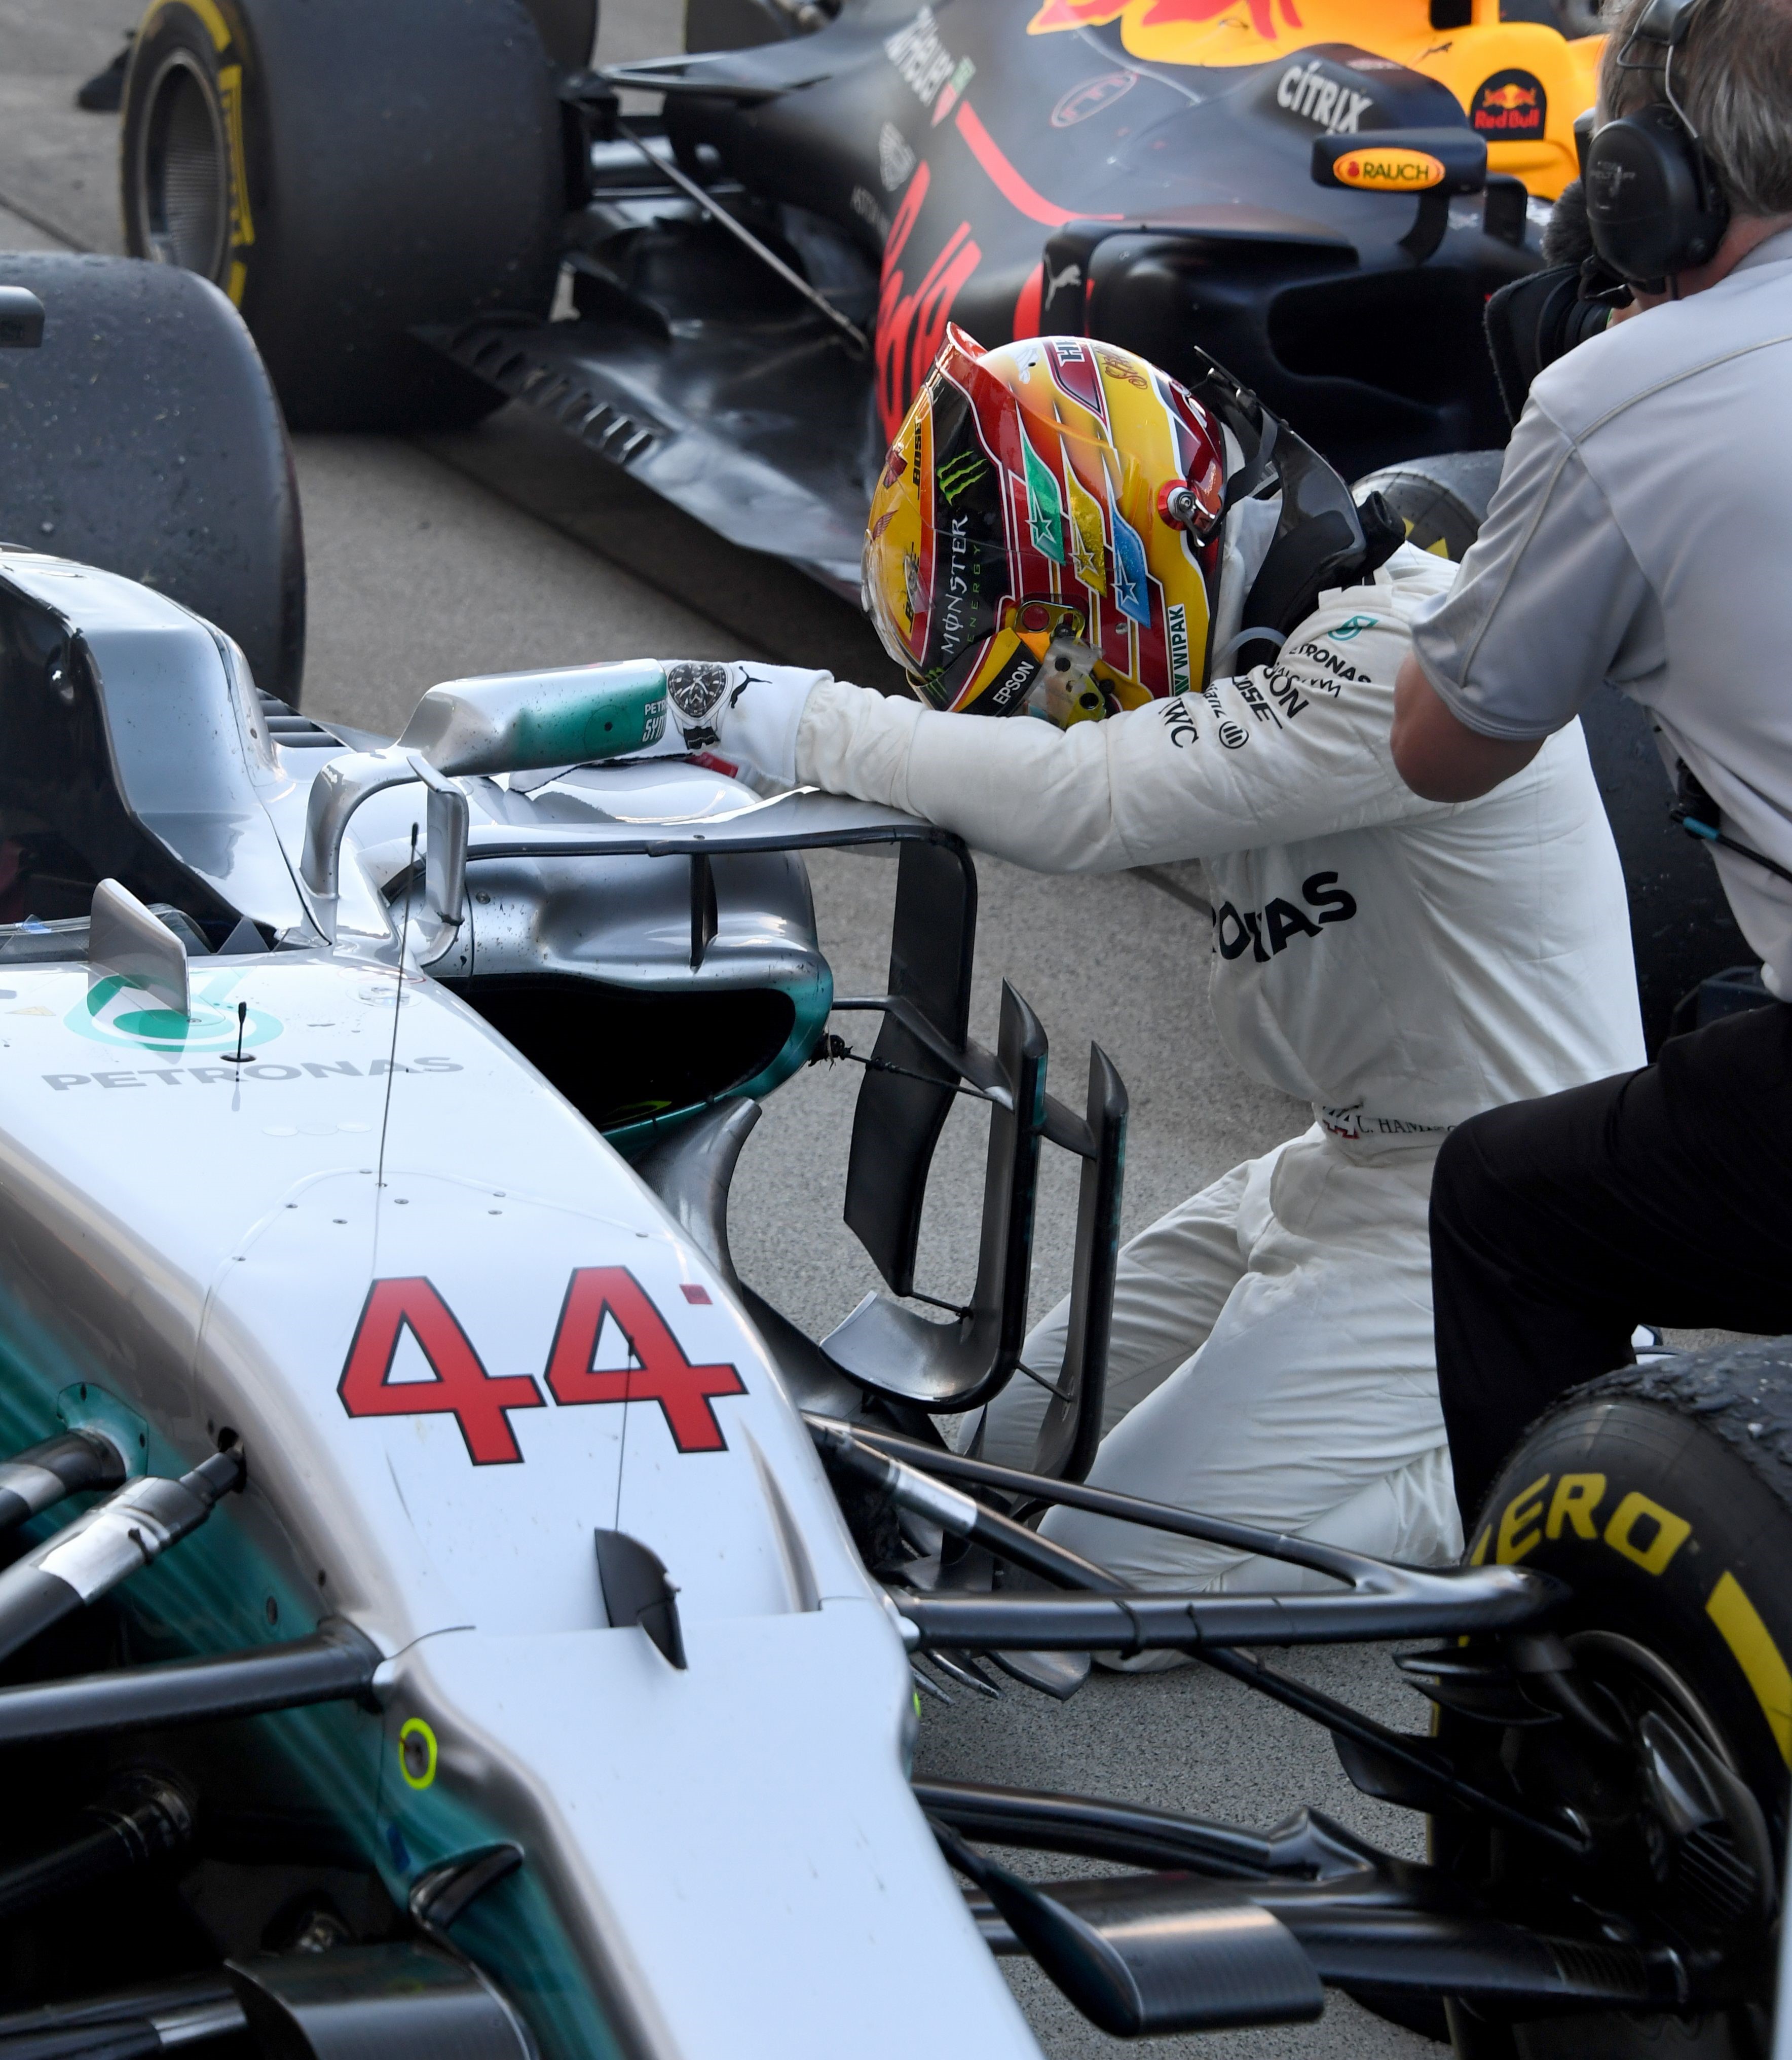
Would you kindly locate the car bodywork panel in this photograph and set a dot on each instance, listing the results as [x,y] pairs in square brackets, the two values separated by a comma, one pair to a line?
[1528,119]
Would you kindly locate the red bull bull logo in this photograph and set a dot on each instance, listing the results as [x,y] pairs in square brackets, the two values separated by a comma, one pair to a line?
[1510,106]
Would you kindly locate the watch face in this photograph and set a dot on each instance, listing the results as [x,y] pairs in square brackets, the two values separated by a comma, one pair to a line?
[696,690]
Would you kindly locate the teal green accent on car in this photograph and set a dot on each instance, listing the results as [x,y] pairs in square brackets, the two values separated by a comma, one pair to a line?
[512,1930]
[84,1407]
[117,1011]
[812,1001]
[211,1593]
[623,710]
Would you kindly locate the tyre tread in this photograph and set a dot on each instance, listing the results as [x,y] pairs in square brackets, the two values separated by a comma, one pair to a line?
[1741,1394]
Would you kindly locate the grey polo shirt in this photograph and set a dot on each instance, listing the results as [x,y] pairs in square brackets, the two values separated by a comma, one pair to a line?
[1642,534]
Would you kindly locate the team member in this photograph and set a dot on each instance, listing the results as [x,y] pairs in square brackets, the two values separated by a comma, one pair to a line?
[1061,527]
[1636,537]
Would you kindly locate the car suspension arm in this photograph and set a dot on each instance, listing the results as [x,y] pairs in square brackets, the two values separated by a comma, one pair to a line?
[31,1481]
[108,1543]
[1381,1600]
[141,1818]
[856,336]
[1106,1614]
[1307,1846]
[1423,1776]
[335,1664]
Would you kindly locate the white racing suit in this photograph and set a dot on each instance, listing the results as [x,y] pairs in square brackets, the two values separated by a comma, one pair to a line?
[1398,963]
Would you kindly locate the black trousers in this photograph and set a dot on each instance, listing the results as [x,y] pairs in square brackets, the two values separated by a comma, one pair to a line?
[1662,1196]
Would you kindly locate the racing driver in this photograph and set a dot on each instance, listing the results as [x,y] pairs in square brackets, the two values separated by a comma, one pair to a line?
[1061,530]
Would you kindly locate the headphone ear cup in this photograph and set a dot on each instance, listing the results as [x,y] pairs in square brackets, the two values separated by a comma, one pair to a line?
[1653,205]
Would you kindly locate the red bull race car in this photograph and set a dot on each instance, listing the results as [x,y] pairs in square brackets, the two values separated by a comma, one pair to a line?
[420,211]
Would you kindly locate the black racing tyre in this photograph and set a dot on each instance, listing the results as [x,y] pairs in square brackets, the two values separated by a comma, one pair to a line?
[1442,500]
[1681,926]
[143,436]
[567,30]
[1662,1496]
[346,172]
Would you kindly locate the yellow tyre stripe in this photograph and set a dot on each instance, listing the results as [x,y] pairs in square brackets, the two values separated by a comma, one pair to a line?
[242,228]
[1752,1643]
[216,26]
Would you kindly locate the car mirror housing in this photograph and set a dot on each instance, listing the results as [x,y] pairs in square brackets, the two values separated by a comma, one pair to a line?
[518,722]
[1435,164]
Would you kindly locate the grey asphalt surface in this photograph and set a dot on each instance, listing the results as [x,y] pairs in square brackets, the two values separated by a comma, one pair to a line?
[503,547]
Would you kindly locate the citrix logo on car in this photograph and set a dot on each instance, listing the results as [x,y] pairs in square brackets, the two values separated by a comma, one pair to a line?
[1305,89]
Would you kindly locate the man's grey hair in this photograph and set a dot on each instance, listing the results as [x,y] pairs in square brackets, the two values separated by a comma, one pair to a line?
[1732,77]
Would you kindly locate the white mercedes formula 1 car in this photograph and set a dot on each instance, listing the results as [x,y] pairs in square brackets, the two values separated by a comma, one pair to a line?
[447,1612]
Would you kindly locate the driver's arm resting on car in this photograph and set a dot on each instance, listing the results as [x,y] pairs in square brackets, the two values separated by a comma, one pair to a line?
[1291,750]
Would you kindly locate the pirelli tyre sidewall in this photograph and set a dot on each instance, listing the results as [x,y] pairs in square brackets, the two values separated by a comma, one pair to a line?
[1662,1498]
[1441,500]
[183,158]
[347,173]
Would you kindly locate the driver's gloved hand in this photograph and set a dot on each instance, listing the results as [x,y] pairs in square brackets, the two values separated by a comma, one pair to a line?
[743,713]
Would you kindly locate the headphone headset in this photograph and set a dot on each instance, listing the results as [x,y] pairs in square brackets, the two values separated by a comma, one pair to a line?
[1654,204]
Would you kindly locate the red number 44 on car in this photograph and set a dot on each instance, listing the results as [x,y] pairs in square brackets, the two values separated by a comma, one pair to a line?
[480,1402]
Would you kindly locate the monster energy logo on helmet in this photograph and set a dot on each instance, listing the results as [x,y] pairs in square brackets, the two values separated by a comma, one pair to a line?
[958,475]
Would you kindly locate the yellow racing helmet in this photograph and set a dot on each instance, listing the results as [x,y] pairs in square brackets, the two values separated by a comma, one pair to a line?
[1045,533]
